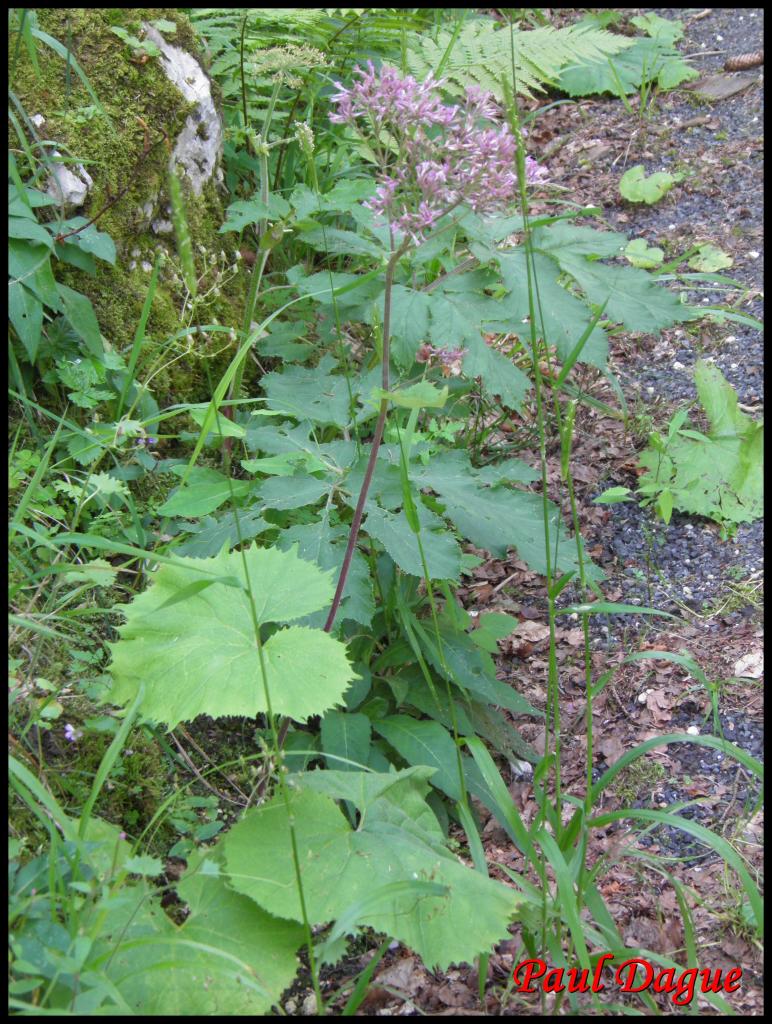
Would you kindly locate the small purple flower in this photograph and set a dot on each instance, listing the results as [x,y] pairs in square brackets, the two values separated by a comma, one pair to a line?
[72,734]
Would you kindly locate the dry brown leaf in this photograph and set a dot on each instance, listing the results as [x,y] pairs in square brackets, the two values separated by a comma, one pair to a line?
[532,631]
[659,704]
[750,666]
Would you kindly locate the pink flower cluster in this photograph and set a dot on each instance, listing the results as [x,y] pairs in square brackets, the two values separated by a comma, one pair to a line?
[432,156]
[448,359]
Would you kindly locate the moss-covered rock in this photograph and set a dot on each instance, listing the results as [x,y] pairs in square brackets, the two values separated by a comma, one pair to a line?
[127,154]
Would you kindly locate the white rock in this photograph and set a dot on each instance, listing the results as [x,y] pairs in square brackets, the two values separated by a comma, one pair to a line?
[38,120]
[67,187]
[198,156]
[693,730]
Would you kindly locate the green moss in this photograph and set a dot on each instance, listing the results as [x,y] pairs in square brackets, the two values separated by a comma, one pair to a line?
[638,780]
[142,105]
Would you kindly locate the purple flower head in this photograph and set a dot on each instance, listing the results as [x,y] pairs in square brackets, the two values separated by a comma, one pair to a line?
[432,157]
[386,98]
[449,360]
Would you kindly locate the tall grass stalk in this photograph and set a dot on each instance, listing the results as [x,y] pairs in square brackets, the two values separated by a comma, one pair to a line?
[265,250]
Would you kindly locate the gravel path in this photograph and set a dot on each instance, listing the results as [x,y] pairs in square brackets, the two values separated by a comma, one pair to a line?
[720,201]
[686,563]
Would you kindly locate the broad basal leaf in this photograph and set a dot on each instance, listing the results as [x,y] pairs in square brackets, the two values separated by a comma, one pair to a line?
[26,314]
[561,317]
[335,241]
[396,797]
[497,371]
[634,298]
[469,667]
[191,642]
[342,867]
[229,957]
[409,323]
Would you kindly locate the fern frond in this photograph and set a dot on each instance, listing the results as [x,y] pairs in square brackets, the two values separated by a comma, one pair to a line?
[482,56]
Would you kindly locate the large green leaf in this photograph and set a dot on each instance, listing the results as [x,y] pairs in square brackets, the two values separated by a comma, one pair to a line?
[346,735]
[344,243]
[466,665]
[495,517]
[646,59]
[635,298]
[409,323]
[326,546]
[26,314]
[32,264]
[288,439]
[310,394]
[498,373]
[428,743]
[204,491]
[395,797]
[229,957]
[342,866]
[285,492]
[424,743]
[88,239]
[473,717]
[191,641]
[82,318]
[442,552]
[208,535]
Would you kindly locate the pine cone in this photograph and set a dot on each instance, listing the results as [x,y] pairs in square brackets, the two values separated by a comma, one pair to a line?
[744,61]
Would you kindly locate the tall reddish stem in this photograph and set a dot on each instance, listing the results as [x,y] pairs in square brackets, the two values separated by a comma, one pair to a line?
[356,522]
[375,445]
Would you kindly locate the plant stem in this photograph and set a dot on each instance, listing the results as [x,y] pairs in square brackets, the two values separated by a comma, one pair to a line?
[375,445]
